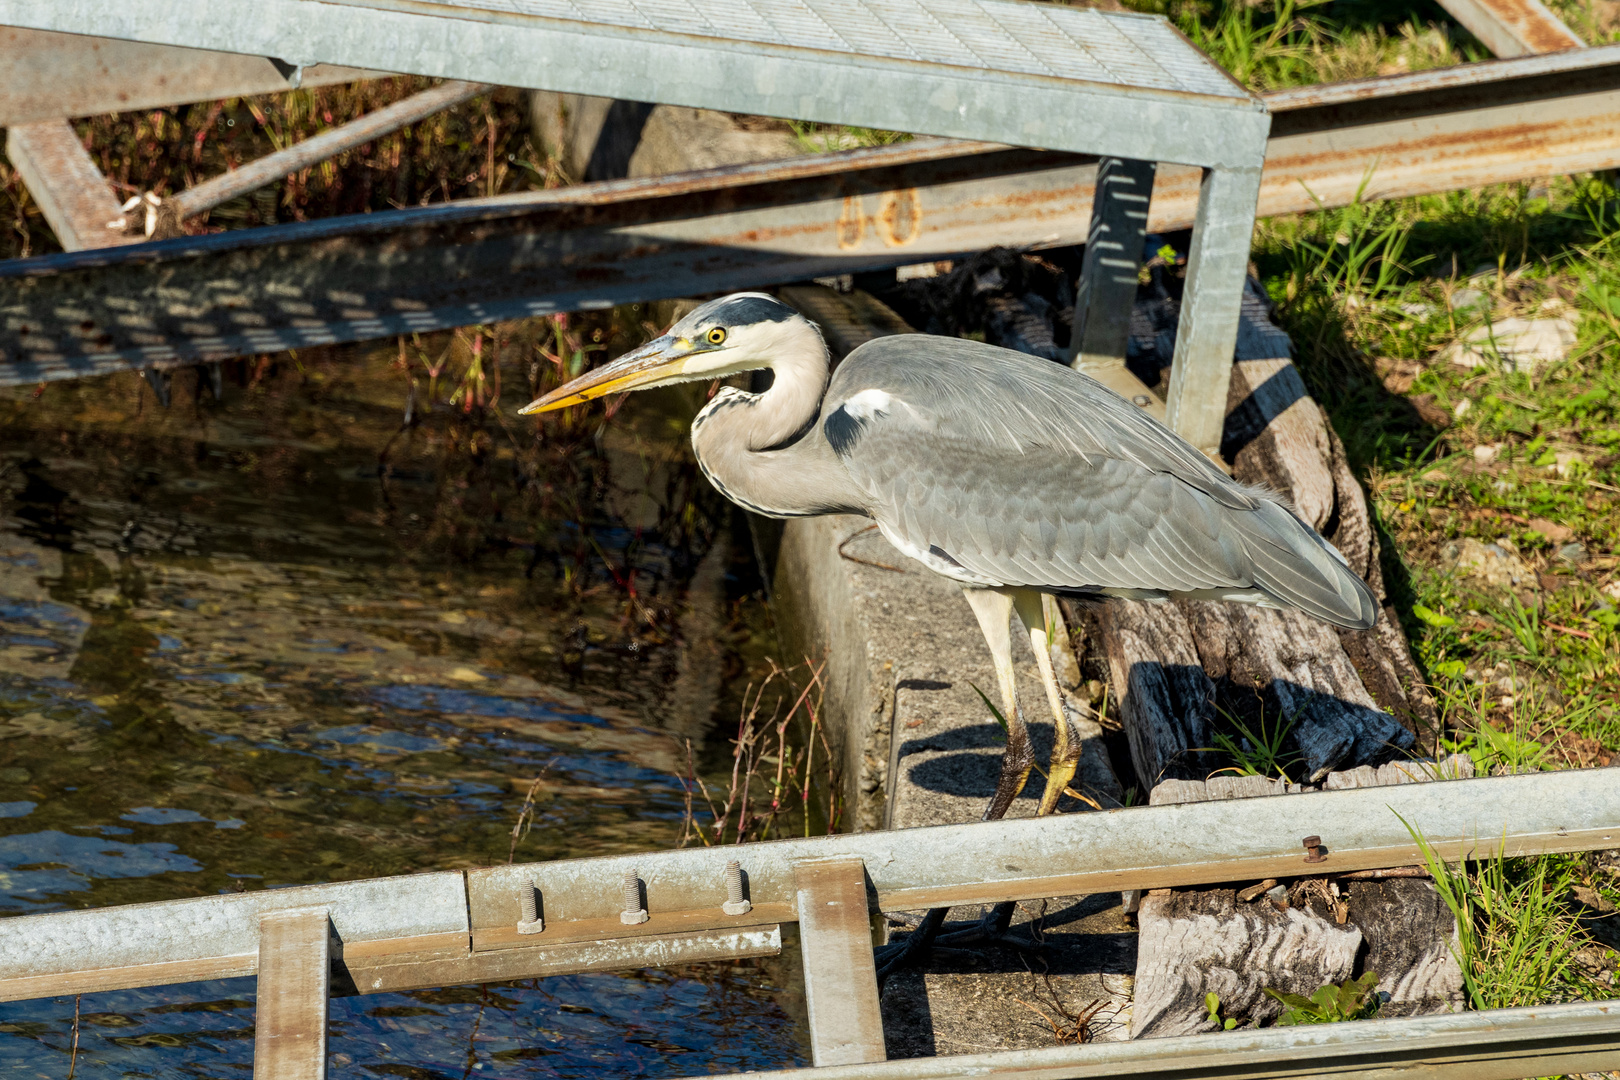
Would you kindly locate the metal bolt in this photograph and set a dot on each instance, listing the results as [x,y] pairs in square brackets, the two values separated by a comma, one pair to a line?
[735,904]
[529,905]
[1314,851]
[633,914]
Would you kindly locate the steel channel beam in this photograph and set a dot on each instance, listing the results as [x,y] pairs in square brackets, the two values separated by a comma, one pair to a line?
[1498,1044]
[1065,79]
[76,200]
[1513,27]
[595,245]
[217,937]
[1077,854]
[272,167]
[46,75]
[405,927]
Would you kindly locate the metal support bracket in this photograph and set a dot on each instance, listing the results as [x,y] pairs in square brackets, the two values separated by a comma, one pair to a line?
[1108,276]
[1216,267]
[75,198]
[1108,280]
[840,973]
[295,956]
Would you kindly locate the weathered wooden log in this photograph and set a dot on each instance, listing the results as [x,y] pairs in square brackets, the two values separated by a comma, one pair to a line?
[1350,698]
[1201,942]
[1291,671]
[1162,696]
[1412,945]
[1198,941]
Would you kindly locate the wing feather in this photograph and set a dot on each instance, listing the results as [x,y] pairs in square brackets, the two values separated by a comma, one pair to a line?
[1027,473]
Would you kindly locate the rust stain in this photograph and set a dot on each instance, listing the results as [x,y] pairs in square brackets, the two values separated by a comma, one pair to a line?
[900,217]
[1530,23]
[851,223]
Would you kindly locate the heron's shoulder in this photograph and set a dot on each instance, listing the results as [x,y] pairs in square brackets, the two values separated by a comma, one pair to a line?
[927,359]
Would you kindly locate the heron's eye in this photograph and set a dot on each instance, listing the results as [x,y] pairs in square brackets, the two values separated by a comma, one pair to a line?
[717,335]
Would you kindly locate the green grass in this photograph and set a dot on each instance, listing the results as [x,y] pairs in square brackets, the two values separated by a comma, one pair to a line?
[1263,750]
[1517,937]
[1373,296]
[1531,462]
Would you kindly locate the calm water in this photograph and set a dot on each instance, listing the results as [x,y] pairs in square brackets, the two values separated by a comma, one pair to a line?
[237,652]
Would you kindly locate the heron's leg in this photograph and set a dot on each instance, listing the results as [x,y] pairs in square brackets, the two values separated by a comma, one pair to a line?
[1031,608]
[994,610]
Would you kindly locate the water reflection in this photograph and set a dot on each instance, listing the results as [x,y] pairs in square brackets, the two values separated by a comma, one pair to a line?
[231,659]
[688,1021]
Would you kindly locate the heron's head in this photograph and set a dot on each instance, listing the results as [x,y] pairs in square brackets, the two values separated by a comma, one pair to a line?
[741,332]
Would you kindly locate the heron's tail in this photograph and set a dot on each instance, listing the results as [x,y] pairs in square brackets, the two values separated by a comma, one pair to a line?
[1297,568]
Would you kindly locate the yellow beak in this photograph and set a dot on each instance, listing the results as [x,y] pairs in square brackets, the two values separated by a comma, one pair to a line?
[635,370]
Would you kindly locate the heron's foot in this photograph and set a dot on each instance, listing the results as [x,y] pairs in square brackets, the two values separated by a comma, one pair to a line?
[902,954]
[1060,770]
[993,929]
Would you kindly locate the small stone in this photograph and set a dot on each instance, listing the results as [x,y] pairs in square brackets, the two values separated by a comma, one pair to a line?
[1491,564]
[1434,476]
[1397,375]
[1484,455]
[1460,410]
[1574,554]
[1565,461]
[1611,590]
[1469,300]
[1521,344]
[1437,415]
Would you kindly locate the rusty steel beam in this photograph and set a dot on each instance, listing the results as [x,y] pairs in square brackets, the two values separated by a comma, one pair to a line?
[71,193]
[272,167]
[181,301]
[45,75]
[1513,27]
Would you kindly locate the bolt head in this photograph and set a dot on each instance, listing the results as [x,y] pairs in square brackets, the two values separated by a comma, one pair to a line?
[736,907]
[633,918]
[531,926]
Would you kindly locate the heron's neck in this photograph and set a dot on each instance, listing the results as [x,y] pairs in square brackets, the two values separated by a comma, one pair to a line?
[762,450]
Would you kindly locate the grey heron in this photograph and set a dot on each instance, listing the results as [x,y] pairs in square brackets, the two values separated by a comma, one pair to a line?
[1006,473]
[1009,474]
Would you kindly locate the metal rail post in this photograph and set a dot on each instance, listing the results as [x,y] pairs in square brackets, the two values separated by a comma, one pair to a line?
[295,956]
[840,973]
[1108,276]
[1216,267]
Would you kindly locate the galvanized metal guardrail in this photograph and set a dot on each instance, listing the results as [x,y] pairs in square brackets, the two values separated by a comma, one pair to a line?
[353,278]
[512,922]
[1499,1044]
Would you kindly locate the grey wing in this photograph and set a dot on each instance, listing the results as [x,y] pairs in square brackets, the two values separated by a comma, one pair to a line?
[1002,469]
